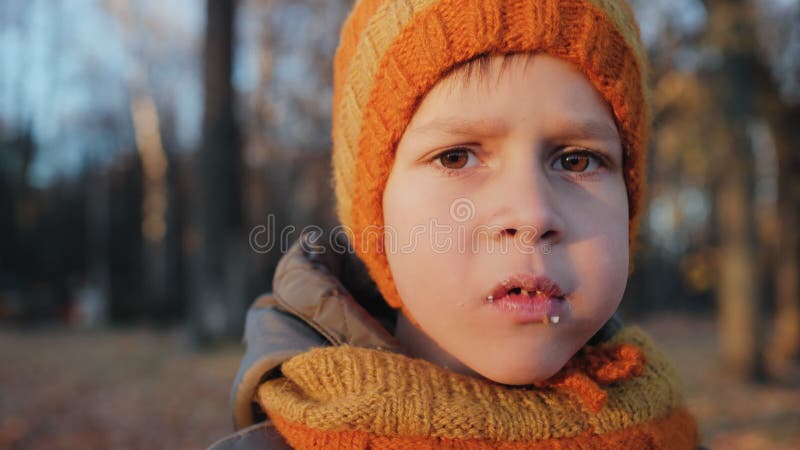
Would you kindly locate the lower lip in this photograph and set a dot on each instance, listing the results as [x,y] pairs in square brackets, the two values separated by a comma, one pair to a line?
[527,309]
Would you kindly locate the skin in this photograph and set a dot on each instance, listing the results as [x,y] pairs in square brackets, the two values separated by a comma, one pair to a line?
[522,205]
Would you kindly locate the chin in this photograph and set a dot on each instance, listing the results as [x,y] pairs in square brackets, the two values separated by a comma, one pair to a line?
[514,374]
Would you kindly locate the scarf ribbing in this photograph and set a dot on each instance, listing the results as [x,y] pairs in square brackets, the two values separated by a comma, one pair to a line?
[354,398]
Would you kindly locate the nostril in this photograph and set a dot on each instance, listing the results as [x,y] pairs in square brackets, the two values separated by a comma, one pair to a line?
[549,234]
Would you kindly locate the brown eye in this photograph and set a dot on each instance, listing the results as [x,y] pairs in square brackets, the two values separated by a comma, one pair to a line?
[575,162]
[454,159]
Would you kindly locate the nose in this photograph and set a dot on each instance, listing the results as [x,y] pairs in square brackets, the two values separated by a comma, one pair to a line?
[528,210]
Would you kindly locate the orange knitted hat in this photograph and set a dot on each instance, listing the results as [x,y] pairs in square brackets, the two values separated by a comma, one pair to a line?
[392,52]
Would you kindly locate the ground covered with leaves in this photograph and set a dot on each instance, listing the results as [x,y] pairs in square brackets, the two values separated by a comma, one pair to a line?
[143,389]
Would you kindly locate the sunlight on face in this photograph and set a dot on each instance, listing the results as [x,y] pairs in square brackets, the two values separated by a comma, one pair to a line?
[517,173]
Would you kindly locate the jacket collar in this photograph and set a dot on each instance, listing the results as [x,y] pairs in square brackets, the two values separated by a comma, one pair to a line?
[310,283]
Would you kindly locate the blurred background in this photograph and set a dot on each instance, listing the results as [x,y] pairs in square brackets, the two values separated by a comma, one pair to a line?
[141,141]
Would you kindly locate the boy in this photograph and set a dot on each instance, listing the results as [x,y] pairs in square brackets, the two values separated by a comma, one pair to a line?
[488,163]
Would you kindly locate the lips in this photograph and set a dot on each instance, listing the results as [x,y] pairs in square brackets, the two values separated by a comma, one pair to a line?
[525,284]
[528,298]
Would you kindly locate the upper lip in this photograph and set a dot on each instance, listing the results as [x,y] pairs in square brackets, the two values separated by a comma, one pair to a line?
[529,282]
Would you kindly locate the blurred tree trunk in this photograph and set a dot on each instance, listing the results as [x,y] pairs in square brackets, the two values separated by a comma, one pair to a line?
[97,240]
[785,338]
[149,144]
[741,286]
[784,135]
[220,279]
[162,280]
[739,296]
[759,253]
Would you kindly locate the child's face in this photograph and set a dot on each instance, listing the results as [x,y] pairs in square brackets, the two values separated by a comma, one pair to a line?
[487,158]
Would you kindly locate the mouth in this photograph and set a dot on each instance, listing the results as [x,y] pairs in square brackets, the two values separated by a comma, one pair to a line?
[529,298]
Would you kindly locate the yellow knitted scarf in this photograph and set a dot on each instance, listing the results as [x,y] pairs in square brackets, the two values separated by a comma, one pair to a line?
[356,398]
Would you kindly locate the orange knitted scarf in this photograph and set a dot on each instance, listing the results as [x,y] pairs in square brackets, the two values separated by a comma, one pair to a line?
[620,394]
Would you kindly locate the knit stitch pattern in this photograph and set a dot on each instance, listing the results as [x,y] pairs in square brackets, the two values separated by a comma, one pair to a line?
[392,52]
[348,397]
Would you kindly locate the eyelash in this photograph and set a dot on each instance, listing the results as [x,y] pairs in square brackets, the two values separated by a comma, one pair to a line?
[600,158]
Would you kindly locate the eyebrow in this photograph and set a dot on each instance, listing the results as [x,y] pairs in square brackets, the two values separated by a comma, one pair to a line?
[459,126]
[573,128]
[586,129]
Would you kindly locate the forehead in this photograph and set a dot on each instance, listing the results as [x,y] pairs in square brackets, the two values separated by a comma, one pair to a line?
[536,88]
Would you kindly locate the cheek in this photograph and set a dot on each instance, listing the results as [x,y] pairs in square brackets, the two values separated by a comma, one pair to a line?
[422,254]
[406,215]
[406,221]
[599,251]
